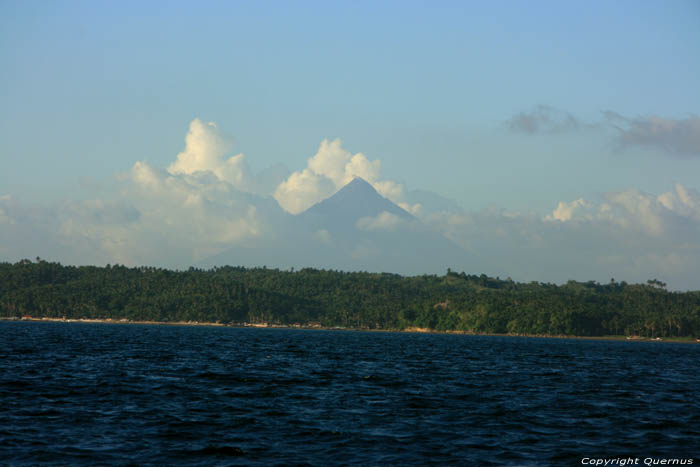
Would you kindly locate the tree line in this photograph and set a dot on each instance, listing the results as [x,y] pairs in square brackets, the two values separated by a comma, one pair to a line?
[451,302]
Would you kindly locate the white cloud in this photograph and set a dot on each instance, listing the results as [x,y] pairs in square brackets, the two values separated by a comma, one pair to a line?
[684,202]
[415,209]
[565,211]
[384,221]
[652,214]
[206,148]
[360,166]
[302,190]
[175,217]
[632,209]
[330,161]
[391,190]
[331,168]
[201,213]
[636,208]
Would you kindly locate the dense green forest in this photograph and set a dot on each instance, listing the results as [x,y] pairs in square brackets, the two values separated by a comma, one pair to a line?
[455,301]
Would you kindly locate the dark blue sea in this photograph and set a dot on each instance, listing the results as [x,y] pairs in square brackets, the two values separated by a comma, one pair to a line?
[109,394]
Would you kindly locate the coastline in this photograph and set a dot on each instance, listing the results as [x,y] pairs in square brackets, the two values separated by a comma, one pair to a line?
[317,327]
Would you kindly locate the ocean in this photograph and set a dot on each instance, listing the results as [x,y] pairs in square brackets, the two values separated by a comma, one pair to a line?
[128,394]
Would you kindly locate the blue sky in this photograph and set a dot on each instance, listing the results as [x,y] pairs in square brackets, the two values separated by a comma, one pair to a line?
[431,89]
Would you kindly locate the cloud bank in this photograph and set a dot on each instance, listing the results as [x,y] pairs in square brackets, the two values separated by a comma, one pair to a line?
[327,171]
[208,201]
[628,235]
[207,150]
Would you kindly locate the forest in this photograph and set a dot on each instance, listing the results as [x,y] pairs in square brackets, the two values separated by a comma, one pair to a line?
[359,300]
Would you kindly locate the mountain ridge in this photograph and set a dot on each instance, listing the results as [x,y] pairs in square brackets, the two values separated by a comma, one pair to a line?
[355,200]
[356,229]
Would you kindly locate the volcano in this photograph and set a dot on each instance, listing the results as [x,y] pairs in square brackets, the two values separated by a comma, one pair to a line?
[356,200]
[356,229]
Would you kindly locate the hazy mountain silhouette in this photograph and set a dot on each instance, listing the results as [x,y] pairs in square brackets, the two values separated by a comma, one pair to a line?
[354,201]
[354,229]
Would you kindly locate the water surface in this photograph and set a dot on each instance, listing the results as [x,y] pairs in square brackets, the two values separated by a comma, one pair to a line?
[151,395]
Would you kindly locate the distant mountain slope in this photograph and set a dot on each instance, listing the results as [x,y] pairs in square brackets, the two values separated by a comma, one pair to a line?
[354,201]
[356,229]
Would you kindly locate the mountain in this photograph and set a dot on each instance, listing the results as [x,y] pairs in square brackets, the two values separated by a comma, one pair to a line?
[356,229]
[356,200]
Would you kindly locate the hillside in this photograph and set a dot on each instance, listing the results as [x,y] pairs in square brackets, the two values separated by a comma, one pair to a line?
[459,302]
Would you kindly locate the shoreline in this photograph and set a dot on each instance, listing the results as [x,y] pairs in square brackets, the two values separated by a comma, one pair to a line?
[411,330]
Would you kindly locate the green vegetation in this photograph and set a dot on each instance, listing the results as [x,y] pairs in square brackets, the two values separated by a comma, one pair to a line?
[454,301]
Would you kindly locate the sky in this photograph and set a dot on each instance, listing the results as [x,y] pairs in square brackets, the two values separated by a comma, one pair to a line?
[563,138]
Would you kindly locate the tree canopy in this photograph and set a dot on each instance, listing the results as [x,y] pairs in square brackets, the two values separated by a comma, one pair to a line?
[238,295]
